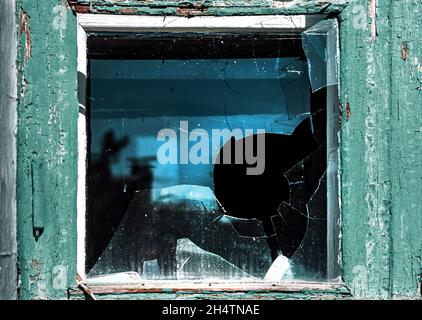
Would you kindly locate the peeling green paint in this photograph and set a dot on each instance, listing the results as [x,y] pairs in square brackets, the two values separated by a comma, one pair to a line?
[381,150]
[46,177]
[406,149]
[366,183]
[381,141]
[212,7]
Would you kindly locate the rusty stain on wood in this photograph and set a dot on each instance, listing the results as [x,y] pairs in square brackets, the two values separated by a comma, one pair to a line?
[345,112]
[84,288]
[348,111]
[24,28]
[190,12]
[128,11]
[35,263]
[80,8]
[404,51]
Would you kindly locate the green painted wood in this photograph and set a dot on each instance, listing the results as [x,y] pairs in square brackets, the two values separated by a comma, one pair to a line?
[47,140]
[212,7]
[381,147]
[366,137]
[406,148]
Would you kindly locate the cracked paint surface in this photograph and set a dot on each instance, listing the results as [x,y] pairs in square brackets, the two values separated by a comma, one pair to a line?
[381,147]
[46,145]
[207,7]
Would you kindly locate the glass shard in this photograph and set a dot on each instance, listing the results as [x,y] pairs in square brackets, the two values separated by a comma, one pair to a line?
[320,46]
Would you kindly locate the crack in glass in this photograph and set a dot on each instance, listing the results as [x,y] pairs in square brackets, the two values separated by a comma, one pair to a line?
[211,220]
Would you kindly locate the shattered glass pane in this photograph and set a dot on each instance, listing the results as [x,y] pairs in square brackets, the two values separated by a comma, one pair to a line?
[207,159]
[320,46]
[175,227]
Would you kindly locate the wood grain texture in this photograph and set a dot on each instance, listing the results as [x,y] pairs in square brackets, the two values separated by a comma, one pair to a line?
[47,148]
[381,148]
[8,103]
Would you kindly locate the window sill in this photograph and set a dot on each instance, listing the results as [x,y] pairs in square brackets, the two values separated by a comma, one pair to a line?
[218,290]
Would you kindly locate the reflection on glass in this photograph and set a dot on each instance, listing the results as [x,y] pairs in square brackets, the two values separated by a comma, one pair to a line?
[163,200]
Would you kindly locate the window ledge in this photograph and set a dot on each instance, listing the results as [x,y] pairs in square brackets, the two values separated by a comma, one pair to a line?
[224,290]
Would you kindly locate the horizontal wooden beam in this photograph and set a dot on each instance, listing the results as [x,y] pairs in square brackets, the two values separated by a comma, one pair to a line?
[216,287]
[192,8]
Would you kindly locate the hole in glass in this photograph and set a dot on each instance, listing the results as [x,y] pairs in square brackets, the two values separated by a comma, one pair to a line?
[175,124]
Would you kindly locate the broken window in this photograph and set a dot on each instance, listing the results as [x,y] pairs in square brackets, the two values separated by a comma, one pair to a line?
[213,156]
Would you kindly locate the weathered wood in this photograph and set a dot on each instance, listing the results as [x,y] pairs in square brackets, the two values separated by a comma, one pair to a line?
[381,138]
[203,7]
[47,148]
[8,103]
[219,290]
[381,147]
[405,150]
[203,286]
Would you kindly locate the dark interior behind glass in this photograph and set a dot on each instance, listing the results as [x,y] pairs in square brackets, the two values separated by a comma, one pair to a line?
[208,220]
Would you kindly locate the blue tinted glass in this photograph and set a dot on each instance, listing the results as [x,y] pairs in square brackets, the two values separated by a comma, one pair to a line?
[207,168]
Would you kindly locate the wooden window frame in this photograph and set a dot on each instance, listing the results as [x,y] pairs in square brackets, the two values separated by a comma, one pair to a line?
[87,23]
